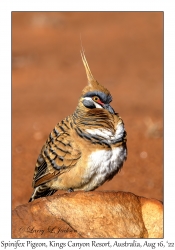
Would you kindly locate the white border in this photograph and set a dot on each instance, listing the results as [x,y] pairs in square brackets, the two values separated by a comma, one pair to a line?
[5,92]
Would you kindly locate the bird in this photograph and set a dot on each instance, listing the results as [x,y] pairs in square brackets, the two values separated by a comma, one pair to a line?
[85,149]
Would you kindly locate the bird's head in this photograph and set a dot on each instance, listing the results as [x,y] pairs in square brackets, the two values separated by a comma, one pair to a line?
[94,95]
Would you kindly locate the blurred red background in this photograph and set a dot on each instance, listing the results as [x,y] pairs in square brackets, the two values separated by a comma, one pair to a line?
[125,54]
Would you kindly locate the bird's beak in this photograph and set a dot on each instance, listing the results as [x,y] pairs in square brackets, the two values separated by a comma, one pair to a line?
[109,108]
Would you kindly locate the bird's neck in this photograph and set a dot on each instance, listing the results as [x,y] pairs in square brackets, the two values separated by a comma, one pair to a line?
[93,119]
[97,126]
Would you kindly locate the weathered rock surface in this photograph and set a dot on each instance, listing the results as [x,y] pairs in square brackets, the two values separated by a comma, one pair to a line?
[89,215]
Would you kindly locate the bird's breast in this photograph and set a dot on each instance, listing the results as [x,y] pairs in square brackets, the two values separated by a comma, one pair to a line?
[108,135]
[103,164]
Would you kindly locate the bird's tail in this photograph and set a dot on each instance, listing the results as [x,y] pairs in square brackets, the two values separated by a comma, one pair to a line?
[41,191]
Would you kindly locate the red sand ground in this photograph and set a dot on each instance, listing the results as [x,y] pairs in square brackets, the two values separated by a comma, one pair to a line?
[125,54]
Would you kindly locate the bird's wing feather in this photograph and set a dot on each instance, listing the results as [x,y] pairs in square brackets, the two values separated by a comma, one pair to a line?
[57,155]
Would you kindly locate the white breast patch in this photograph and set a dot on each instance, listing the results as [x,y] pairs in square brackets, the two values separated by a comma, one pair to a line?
[107,134]
[102,163]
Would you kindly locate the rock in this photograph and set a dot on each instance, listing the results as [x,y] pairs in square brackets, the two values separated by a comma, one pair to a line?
[152,213]
[89,215]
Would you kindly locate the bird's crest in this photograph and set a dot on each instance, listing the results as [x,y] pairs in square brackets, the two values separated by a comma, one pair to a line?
[92,83]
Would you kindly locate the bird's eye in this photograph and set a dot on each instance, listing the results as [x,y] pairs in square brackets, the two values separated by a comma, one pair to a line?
[96,98]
